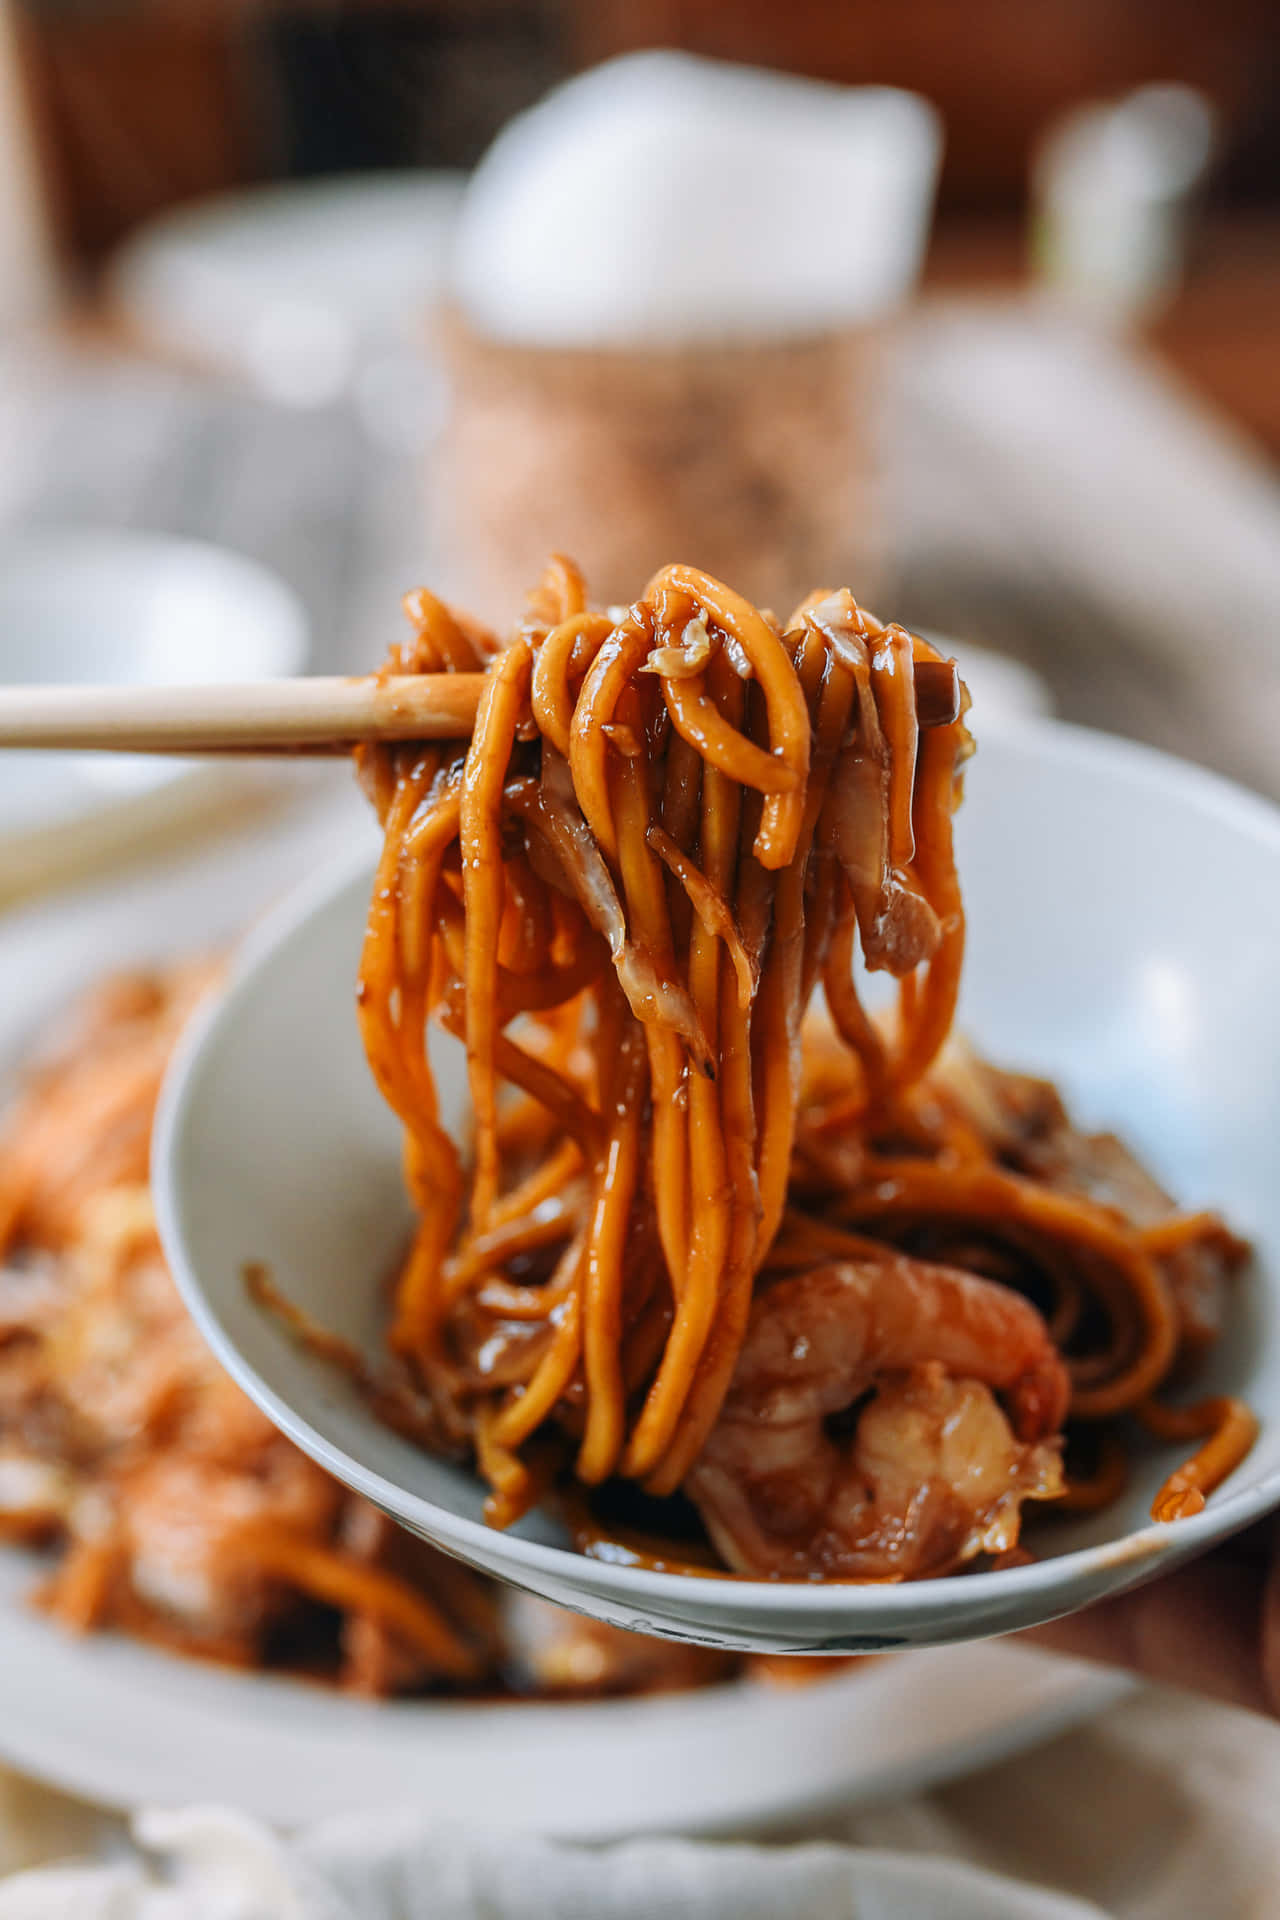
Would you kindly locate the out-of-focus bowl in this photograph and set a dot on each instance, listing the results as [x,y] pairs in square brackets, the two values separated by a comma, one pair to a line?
[1125,922]
[293,287]
[112,606]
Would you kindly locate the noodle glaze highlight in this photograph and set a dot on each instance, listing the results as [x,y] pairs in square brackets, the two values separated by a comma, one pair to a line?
[716,1233]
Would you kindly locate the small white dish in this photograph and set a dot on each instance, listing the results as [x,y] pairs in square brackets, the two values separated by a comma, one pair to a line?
[287,286]
[1125,917]
[125,1725]
[114,606]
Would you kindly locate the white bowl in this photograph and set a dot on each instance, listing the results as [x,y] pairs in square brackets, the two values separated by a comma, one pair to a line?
[1125,916]
[126,1724]
[118,606]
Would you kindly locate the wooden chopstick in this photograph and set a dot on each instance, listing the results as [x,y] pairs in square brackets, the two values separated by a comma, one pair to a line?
[306,715]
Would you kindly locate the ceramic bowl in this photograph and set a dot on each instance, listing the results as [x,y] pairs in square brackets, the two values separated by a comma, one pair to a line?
[1125,920]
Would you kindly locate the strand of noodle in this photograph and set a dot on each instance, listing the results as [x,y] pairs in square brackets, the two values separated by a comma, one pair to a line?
[620,654]
[681,809]
[79,1592]
[782,814]
[552,1222]
[1231,1429]
[710,906]
[525,939]
[819,919]
[852,1021]
[415,892]
[605,1429]
[892,667]
[716,1365]
[543,1082]
[480,831]
[930,1021]
[778,1012]
[516,1484]
[436,1184]
[697,720]
[317,1339]
[1088,1493]
[723,851]
[517,993]
[396,1052]
[550,695]
[643,887]
[442,644]
[555,1173]
[518,1418]
[506,1300]
[383,1043]
[1185,1230]
[560,594]
[341,1580]
[901,1189]
[710,1194]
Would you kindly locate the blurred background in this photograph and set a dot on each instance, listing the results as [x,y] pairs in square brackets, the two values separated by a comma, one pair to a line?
[247,294]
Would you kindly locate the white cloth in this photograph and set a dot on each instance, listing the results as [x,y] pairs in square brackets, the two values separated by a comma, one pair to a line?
[209,1864]
[1165,1808]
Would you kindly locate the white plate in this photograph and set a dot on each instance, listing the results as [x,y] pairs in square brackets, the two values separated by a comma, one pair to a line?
[286,285]
[127,1725]
[1124,915]
[121,1723]
[115,606]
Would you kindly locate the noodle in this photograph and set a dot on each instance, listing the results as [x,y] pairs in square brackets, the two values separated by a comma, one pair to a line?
[672,823]
[170,1507]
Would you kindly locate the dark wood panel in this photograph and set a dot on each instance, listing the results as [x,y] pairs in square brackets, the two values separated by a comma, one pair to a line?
[998,69]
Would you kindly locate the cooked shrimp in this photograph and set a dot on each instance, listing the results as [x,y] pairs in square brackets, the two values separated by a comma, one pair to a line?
[935,1467]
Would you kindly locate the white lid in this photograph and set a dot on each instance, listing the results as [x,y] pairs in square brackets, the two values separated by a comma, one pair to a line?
[665,198]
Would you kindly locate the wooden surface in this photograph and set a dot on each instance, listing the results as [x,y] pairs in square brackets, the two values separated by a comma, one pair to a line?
[998,70]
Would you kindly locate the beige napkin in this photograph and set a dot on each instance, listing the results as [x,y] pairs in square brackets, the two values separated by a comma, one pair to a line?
[1164,1808]
[211,1864]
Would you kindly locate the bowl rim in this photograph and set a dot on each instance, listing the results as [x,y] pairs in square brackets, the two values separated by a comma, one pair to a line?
[1124,1560]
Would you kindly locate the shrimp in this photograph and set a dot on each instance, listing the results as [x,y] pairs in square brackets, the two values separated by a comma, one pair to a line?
[804,1477]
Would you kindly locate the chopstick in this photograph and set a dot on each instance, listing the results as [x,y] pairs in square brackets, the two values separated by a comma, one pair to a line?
[306,715]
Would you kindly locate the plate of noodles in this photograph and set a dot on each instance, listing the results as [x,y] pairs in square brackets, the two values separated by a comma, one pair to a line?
[147,1656]
[663,1231]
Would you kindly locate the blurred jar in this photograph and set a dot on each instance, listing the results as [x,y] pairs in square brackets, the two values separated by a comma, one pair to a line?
[755,462]
[672,284]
